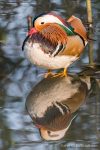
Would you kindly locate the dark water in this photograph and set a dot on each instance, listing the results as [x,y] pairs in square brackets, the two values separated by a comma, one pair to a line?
[18,76]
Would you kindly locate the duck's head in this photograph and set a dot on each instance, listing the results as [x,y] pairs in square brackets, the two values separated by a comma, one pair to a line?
[43,20]
[52,135]
[57,133]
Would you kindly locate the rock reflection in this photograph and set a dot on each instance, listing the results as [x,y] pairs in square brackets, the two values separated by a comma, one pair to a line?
[54,103]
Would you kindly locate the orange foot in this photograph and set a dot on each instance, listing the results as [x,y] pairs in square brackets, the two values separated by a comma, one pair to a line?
[49,74]
[54,75]
[60,74]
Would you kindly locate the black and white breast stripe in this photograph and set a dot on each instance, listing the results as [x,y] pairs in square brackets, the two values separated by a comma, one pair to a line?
[60,47]
[62,108]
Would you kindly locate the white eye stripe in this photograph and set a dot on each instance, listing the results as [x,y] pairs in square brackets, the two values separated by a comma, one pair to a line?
[50,19]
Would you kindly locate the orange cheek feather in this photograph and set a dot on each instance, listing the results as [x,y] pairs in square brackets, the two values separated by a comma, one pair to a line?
[39,27]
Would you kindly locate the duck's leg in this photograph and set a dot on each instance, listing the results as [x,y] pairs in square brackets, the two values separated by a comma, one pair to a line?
[61,74]
[65,72]
[48,74]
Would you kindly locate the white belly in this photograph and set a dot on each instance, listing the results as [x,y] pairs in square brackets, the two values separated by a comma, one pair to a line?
[38,57]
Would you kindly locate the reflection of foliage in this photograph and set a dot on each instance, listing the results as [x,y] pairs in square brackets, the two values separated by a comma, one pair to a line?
[2,35]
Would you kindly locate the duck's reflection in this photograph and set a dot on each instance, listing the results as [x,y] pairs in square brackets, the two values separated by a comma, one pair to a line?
[53,104]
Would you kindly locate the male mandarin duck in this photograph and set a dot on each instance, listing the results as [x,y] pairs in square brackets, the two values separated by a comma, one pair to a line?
[52,112]
[53,43]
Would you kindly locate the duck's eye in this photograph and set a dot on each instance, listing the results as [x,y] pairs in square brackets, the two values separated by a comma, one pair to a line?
[52,135]
[48,132]
[42,22]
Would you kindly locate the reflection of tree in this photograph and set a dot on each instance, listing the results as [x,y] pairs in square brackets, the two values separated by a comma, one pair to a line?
[68,7]
[51,6]
[5,136]
[42,6]
[98,54]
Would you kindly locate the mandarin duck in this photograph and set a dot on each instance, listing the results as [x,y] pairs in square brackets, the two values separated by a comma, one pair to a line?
[55,43]
[53,104]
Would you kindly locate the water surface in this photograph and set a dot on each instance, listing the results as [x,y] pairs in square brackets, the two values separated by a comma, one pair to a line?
[18,76]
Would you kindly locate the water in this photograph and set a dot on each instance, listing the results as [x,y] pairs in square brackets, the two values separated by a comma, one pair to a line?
[18,76]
